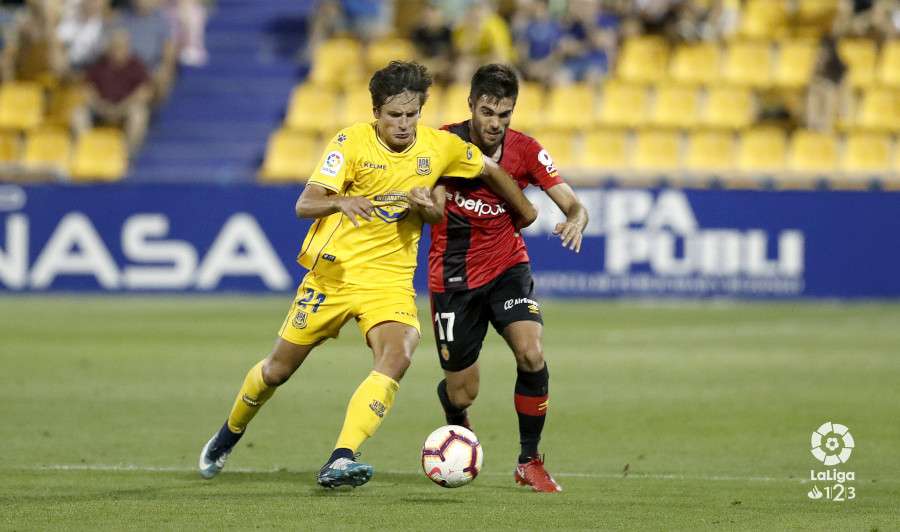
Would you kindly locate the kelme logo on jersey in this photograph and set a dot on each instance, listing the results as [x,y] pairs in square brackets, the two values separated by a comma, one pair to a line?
[391,207]
[423,165]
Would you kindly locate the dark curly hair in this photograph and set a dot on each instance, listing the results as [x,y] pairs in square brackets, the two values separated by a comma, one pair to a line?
[495,81]
[397,77]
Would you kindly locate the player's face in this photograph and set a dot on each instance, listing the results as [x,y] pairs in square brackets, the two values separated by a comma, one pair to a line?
[397,119]
[490,118]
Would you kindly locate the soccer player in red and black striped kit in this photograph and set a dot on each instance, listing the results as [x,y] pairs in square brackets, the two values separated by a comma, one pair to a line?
[479,271]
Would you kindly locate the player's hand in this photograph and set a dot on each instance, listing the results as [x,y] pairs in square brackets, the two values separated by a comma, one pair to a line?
[353,206]
[420,198]
[570,234]
[522,220]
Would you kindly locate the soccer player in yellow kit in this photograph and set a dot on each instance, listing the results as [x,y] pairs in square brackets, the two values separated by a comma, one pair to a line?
[370,194]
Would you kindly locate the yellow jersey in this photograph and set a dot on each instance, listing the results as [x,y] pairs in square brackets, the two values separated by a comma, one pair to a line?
[380,252]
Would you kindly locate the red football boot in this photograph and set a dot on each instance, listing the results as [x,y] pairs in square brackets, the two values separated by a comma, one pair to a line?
[533,474]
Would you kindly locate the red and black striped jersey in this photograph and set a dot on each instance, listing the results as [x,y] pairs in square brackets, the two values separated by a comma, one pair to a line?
[476,242]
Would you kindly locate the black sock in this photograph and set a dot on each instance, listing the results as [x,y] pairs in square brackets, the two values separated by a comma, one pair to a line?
[340,452]
[224,441]
[454,414]
[531,406]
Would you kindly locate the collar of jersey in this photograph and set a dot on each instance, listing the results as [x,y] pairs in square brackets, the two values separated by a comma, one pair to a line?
[388,148]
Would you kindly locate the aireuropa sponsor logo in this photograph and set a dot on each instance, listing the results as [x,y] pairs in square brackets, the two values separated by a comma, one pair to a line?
[479,207]
[510,303]
[832,444]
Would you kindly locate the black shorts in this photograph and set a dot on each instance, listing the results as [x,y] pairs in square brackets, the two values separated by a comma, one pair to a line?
[460,318]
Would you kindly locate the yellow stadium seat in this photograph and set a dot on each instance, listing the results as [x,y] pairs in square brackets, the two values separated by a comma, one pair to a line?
[529,112]
[867,153]
[47,149]
[710,151]
[696,63]
[605,150]
[762,150]
[9,147]
[290,156]
[657,151]
[561,147]
[879,110]
[811,152]
[312,108]
[101,154]
[623,105]
[21,105]
[382,51]
[813,18]
[432,113]
[860,56]
[796,59]
[764,19]
[64,101]
[748,63]
[728,107]
[643,59]
[338,63]
[571,107]
[676,106]
[357,106]
[455,107]
[889,64]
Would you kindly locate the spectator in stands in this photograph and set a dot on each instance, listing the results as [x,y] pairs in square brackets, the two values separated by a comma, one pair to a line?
[588,43]
[32,51]
[82,32]
[369,19]
[827,95]
[153,43]
[119,90]
[538,42]
[481,37]
[188,19]
[433,40]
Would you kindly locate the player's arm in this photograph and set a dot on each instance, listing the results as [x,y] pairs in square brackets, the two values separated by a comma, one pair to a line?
[503,185]
[429,204]
[571,230]
[317,201]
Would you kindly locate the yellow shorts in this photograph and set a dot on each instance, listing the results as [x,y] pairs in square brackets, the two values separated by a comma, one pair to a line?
[323,306]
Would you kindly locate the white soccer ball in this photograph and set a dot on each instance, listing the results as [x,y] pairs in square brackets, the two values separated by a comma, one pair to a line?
[452,456]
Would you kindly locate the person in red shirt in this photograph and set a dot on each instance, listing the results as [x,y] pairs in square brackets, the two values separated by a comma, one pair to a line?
[118,91]
[479,270]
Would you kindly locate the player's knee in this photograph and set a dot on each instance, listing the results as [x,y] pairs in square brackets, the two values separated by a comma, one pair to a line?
[529,356]
[463,397]
[276,372]
[394,362]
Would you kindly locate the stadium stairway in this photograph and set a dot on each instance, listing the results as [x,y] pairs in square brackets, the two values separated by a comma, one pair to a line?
[217,119]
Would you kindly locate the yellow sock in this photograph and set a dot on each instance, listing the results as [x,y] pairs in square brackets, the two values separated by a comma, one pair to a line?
[368,406]
[253,393]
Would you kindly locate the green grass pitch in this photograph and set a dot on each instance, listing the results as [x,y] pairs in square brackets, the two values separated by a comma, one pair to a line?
[662,417]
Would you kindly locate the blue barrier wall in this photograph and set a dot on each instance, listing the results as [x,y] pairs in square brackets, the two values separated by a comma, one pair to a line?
[669,242]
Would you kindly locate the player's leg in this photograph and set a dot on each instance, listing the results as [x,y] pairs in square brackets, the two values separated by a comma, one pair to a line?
[460,320]
[259,385]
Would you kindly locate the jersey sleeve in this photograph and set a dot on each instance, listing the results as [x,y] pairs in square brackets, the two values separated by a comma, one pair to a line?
[541,168]
[463,158]
[336,165]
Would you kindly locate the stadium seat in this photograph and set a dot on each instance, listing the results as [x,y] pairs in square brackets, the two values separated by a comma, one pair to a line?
[866,154]
[571,107]
[879,110]
[623,105]
[529,113]
[728,107]
[382,51]
[21,105]
[9,147]
[605,150]
[357,106]
[796,59]
[337,63]
[101,154]
[764,19]
[432,113]
[47,149]
[561,147]
[813,153]
[710,152]
[63,102]
[656,151]
[676,106]
[455,106]
[860,56]
[290,156]
[696,63]
[643,60]
[889,64]
[813,18]
[762,150]
[748,63]
[312,108]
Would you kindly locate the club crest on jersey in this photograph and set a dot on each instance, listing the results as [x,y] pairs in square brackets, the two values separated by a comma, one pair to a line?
[423,165]
[299,321]
[392,206]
